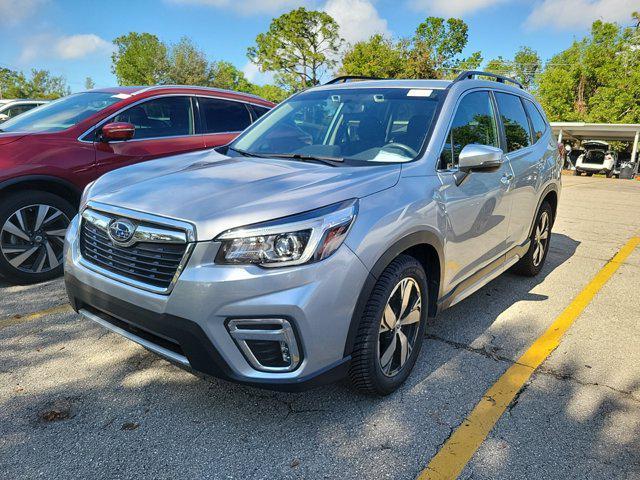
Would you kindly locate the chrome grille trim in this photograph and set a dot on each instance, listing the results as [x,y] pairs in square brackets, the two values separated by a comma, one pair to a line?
[152,260]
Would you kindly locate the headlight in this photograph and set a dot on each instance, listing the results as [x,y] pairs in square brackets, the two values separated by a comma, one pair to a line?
[85,195]
[307,237]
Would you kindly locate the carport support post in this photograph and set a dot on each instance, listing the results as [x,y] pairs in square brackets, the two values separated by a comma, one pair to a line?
[560,136]
[634,152]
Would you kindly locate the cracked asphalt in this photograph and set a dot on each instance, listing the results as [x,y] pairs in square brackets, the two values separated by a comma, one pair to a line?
[78,402]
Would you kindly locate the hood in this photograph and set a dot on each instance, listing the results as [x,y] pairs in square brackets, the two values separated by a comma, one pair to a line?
[215,192]
[9,137]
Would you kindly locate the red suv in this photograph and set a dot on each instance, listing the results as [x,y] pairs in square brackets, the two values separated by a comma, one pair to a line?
[49,154]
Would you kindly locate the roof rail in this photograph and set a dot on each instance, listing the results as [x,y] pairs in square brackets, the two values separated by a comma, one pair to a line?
[469,74]
[350,78]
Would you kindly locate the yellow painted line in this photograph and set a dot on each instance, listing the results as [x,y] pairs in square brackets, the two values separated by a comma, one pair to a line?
[17,319]
[456,452]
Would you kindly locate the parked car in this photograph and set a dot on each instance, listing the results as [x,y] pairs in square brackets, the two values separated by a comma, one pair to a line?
[316,244]
[597,158]
[10,108]
[48,155]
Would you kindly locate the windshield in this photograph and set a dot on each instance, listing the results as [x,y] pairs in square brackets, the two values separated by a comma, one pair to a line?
[368,124]
[61,114]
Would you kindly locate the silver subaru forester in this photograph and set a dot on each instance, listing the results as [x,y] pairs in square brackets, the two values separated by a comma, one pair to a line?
[315,245]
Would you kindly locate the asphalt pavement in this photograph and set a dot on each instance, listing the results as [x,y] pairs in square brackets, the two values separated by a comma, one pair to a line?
[79,402]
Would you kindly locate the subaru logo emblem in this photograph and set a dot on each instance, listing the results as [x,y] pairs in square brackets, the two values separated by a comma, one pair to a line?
[121,230]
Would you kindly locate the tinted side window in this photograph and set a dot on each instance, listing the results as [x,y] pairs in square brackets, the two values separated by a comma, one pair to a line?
[538,122]
[259,111]
[474,123]
[223,115]
[160,117]
[516,125]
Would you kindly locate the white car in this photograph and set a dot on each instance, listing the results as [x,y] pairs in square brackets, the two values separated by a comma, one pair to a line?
[12,107]
[597,158]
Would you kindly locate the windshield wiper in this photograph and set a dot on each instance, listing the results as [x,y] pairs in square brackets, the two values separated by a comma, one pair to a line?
[312,158]
[245,153]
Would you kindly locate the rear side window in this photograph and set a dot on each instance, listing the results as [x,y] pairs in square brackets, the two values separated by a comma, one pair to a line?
[259,111]
[538,123]
[514,119]
[474,123]
[160,117]
[221,116]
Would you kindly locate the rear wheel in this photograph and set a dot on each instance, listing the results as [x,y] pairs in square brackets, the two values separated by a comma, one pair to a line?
[390,332]
[32,230]
[533,261]
[577,173]
[589,174]
[609,173]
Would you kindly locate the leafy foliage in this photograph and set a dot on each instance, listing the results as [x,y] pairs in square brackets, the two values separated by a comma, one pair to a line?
[524,67]
[40,85]
[89,83]
[596,79]
[376,57]
[187,65]
[299,46]
[139,59]
[433,52]
[436,48]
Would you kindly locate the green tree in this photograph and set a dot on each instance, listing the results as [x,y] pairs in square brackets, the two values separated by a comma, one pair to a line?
[89,83]
[139,59]
[595,79]
[436,48]
[187,65]
[376,57]
[225,75]
[273,93]
[524,67]
[299,46]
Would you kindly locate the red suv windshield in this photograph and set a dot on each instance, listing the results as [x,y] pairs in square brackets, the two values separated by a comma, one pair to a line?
[61,114]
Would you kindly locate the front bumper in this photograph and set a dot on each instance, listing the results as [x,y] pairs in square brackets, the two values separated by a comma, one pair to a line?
[188,326]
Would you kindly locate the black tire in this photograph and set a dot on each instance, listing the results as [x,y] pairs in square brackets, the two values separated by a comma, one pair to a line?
[609,174]
[366,371]
[11,245]
[589,174]
[577,173]
[530,265]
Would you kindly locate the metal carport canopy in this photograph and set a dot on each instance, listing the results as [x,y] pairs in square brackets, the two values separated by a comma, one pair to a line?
[624,132]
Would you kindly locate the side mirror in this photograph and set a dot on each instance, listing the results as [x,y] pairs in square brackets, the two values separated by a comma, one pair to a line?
[117,131]
[479,157]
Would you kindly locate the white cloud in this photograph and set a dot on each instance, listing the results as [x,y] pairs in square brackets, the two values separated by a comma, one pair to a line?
[69,47]
[453,8]
[14,11]
[358,19]
[569,14]
[247,7]
[254,75]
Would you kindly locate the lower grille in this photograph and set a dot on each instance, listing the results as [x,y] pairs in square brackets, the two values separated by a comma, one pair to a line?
[152,263]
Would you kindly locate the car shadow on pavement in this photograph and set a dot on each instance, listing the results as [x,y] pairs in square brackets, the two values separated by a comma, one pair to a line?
[74,397]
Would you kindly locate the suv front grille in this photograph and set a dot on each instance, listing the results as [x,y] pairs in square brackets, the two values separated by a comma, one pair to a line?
[153,263]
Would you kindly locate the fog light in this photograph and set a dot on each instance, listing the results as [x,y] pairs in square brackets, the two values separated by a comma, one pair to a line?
[268,344]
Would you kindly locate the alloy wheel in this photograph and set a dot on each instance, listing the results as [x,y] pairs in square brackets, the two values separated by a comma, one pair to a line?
[32,238]
[399,326]
[541,238]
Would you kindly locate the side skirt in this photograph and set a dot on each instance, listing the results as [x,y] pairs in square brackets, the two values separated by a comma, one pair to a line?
[483,276]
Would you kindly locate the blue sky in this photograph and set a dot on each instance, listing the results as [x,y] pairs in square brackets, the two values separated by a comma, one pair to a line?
[73,38]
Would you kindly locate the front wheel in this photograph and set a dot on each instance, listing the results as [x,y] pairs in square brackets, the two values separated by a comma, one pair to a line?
[577,173]
[32,229]
[391,329]
[531,263]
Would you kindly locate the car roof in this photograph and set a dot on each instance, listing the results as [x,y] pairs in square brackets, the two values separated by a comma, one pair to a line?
[386,84]
[463,84]
[156,89]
